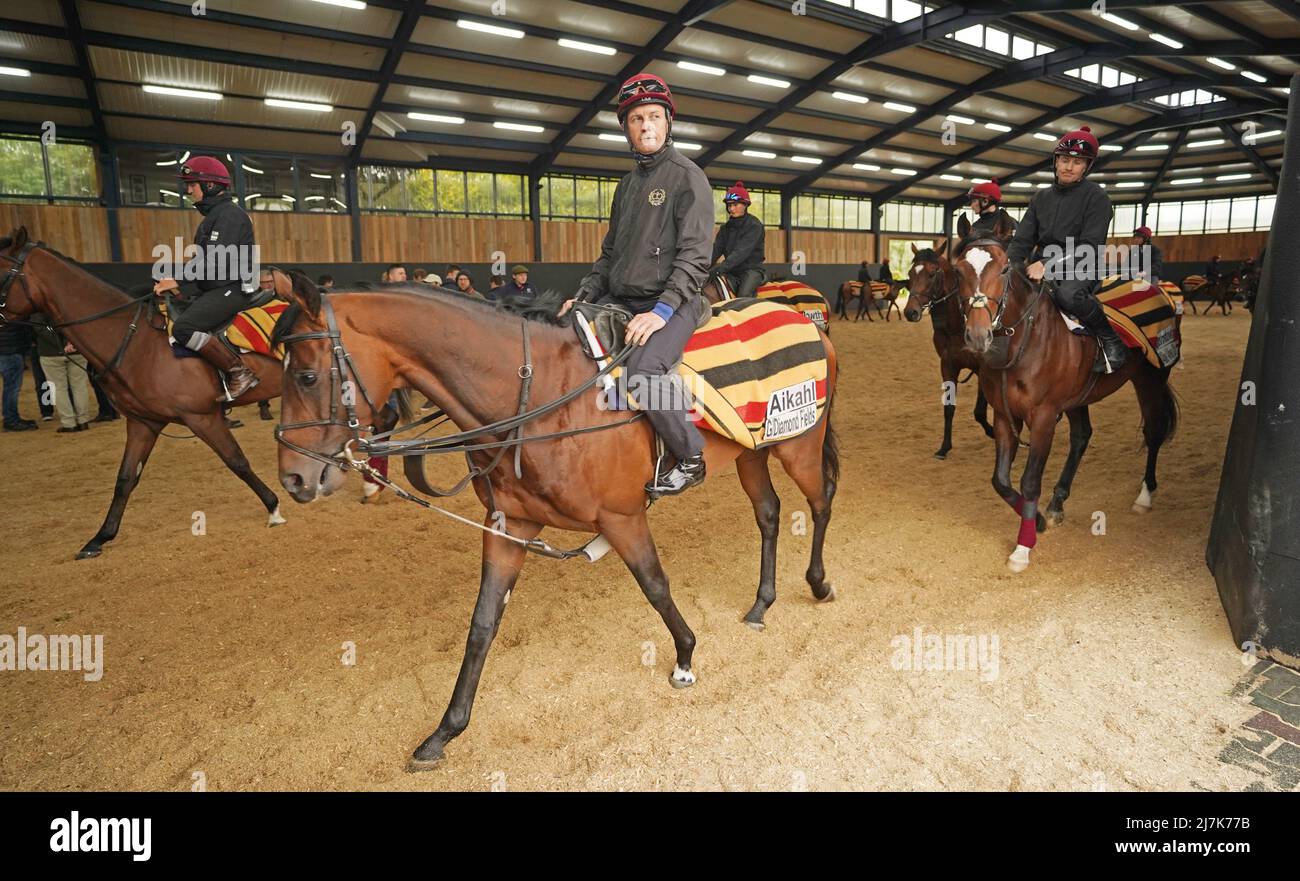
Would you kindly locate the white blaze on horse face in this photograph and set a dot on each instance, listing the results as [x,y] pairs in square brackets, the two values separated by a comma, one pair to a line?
[978,258]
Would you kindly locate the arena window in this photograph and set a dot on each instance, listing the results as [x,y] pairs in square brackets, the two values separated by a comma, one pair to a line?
[567,197]
[441,191]
[825,211]
[60,172]
[1197,216]
[919,217]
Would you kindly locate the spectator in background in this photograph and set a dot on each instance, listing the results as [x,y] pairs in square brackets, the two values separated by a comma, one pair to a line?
[518,289]
[419,274]
[38,377]
[433,279]
[67,375]
[449,277]
[465,284]
[325,282]
[15,340]
[495,282]
[266,281]
[395,274]
[107,412]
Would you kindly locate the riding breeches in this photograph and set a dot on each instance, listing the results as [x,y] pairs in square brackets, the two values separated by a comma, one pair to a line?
[657,388]
[745,282]
[210,311]
[1077,298]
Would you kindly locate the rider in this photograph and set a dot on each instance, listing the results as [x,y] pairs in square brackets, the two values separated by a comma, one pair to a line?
[985,202]
[1073,213]
[221,295]
[738,249]
[1142,238]
[653,260]
[1213,272]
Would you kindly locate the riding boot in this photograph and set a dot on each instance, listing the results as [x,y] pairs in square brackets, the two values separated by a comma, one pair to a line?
[239,379]
[681,477]
[1111,351]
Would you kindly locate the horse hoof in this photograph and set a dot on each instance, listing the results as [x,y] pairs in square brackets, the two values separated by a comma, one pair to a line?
[87,553]
[276,519]
[830,594]
[681,678]
[427,756]
[1019,559]
[756,625]
[1053,520]
[415,766]
[941,454]
[1141,509]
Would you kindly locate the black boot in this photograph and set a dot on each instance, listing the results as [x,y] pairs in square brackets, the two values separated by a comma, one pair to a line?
[239,379]
[681,477]
[1111,351]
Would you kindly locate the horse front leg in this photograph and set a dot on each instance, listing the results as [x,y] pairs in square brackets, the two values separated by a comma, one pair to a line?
[1080,434]
[948,398]
[211,429]
[1041,432]
[140,439]
[502,561]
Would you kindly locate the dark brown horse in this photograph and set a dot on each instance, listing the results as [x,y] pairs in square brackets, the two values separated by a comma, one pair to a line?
[933,284]
[124,339]
[1033,370]
[469,358]
[866,298]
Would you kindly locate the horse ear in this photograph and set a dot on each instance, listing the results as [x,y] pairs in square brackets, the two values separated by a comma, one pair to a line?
[963,226]
[912,245]
[1002,227]
[283,284]
[20,237]
[304,293]
[941,248]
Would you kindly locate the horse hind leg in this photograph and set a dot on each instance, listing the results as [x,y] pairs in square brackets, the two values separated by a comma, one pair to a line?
[812,461]
[757,483]
[1159,423]
[140,439]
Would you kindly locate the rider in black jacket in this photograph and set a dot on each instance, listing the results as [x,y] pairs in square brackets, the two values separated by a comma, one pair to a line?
[985,201]
[1066,224]
[225,243]
[738,248]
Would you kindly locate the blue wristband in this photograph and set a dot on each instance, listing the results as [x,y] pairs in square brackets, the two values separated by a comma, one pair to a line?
[663,310]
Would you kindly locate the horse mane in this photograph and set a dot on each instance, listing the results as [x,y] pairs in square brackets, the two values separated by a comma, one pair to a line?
[541,309]
[926,255]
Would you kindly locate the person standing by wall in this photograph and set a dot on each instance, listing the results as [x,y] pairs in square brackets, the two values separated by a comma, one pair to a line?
[15,340]
[67,373]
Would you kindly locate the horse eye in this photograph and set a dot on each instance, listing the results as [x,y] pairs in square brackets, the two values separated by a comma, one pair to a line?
[307,379]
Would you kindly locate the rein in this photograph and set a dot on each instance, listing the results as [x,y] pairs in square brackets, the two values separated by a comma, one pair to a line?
[381,444]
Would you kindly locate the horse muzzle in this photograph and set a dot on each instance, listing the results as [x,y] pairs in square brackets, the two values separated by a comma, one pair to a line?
[311,480]
[978,340]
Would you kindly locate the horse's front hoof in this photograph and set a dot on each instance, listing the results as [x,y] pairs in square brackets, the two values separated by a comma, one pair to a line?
[426,757]
[680,678]
[941,454]
[276,518]
[830,595]
[1052,520]
[1019,559]
[415,766]
[87,552]
[755,625]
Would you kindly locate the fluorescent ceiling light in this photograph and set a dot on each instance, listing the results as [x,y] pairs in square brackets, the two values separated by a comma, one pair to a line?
[979,180]
[685,145]
[169,193]
[1129,184]
[1211,143]
[1021,185]
[758,154]
[1251,75]
[186,155]
[289,198]
[864,166]
[618,139]
[701,68]
[298,105]
[1227,177]
[997,126]
[1182,181]
[1114,148]
[768,81]
[489,28]
[1219,62]
[322,176]
[586,47]
[182,93]
[849,96]
[1044,136]
[901,108]
[518,127]
[906,172]
[1152,148]
[437,117]
[313,198]
[168,162]
[250,169]
[15,71]
[1122,22]
[964,120]
[806,160]
[1045,185]
[950,177]
[1168,41]
[1269,134]
[348,4]
[251,196]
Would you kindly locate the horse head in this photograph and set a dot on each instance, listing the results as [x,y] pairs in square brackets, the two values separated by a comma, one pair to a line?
[983,289]
[929,279]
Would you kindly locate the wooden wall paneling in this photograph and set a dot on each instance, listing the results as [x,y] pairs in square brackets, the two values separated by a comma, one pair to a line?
[80,231]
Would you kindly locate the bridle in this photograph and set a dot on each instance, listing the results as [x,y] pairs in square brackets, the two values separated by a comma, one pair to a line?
[947,294]
[980,300]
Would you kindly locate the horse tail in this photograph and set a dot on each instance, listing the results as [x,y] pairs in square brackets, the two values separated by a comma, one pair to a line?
[1160,425]
[830,442]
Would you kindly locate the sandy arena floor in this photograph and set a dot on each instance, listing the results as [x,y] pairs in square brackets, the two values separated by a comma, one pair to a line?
[1115,663]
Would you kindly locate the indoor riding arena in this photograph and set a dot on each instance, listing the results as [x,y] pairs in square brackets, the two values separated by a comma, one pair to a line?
[1030,523]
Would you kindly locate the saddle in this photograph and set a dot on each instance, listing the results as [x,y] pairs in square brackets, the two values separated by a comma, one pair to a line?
[248,331]
[608,326]
[1144,316]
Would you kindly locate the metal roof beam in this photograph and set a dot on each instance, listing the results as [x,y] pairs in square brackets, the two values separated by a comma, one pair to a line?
[1163,170]
[400,40]
[1270,173]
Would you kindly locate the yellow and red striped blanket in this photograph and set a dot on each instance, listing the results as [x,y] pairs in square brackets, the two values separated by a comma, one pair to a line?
[1144,316]
[250,331]
[800,297]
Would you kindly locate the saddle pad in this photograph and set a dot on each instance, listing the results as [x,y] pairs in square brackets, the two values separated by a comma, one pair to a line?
[1192,282]
[250,330]
[1145,317]
[800,297]
[758,371]
[879,289]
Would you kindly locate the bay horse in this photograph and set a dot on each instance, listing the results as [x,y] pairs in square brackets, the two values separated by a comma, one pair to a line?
[933,284]
[476,362]
[125,340]
[1038,370]
[866,299]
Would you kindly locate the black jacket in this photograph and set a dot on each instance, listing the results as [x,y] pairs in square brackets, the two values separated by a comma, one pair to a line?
[741,239]
[15,339]
[983,225]
[1213,271]
[1157,263]
[1080,213]
[657,247]
[224,223]
[513,292]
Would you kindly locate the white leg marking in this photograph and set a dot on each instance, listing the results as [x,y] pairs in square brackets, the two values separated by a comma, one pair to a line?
[683,677]
[1142,505]
[1019,559]
[275,519]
